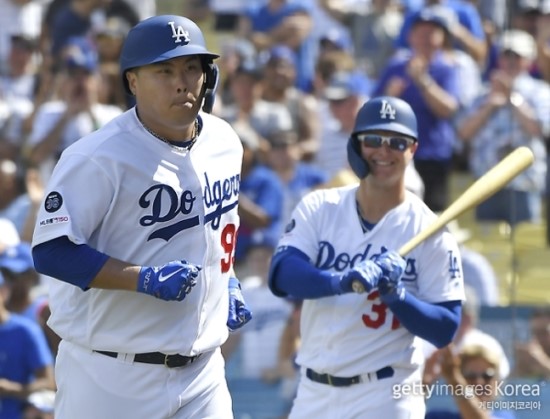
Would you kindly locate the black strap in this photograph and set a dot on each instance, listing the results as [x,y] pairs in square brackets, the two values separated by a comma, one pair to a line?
[382,373]
[158,358]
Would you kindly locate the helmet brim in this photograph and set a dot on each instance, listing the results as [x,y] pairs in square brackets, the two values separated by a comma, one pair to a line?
[173,53]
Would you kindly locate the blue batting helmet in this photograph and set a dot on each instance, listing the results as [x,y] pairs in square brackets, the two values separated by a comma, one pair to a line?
[384,113]
[161,38]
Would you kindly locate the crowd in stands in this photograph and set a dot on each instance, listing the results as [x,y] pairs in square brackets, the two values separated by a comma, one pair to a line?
[293,75]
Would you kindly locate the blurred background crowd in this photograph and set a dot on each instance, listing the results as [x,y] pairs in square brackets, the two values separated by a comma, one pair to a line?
[293,75]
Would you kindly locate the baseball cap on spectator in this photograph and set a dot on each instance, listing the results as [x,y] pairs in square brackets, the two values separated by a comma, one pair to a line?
[241,47]
[251,68]
[80,53]
[338,38]
[439,15]
[9,236]
[17,259]
[343,85]
[114,27]
[281,53]
[518,42]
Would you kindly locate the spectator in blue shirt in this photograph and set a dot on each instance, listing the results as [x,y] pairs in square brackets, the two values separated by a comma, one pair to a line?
[298,178]
[26,363]
[468,32]
[288,23]
[428,80]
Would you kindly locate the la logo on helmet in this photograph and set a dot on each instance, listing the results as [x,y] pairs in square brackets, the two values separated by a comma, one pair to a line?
[178,33]
[386,110]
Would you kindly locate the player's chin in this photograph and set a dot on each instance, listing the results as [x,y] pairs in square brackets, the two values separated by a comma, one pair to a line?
[185,112]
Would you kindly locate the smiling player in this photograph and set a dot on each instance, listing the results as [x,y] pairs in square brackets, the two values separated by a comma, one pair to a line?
[356,348]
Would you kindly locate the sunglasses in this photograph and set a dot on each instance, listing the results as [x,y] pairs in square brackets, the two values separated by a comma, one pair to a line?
[485,375]
[376,141]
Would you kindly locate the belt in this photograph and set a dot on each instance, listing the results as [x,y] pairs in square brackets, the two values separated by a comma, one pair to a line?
[331,380]
[158,358]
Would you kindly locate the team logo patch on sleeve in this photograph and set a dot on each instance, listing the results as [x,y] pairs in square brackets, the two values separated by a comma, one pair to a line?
[53,201]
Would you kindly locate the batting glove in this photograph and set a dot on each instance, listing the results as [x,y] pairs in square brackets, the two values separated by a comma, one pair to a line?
[169,282]
[239,314]
[390,286]
[366,272]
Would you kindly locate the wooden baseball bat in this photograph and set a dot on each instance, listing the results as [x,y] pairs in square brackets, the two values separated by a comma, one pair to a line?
[484,187]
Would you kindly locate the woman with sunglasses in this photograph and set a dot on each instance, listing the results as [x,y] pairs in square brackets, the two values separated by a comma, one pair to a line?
[360,354]
[473,376]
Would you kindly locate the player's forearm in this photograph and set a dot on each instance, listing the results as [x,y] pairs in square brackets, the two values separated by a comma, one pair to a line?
[116,275]
[21,391]
[252,214]
[440,102]
[469,127]
[75,264]
[436,323]
[292,274]
[525,115]
[476,47]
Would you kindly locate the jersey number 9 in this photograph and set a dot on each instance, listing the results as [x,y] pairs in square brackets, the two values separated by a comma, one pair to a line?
[228,242]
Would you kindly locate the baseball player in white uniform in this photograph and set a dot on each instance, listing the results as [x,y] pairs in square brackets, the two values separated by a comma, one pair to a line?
[360,355]
[139,225]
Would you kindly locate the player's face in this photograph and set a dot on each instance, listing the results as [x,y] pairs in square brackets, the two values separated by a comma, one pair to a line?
[387,155]
[168,94]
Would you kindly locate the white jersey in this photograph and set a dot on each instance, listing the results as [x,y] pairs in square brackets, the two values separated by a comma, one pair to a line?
[359,334]
[140,200]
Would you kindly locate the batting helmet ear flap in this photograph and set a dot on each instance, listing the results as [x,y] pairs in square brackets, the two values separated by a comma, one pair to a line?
[212,77]
[356,162]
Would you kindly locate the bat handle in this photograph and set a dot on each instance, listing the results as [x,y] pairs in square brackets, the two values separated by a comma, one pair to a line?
[358,288]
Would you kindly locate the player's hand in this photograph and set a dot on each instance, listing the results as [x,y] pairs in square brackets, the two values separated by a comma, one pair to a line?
[169,282]
[366,272]
[390,286]
[239,314]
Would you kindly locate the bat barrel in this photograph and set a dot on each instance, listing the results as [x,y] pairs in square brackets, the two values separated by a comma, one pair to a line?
[483,188]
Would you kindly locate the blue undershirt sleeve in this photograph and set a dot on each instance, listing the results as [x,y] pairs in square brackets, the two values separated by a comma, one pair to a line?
[76,264]
[292,274]
[437,323]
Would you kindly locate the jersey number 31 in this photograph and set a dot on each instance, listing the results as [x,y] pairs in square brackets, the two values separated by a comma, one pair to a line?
[378,314]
